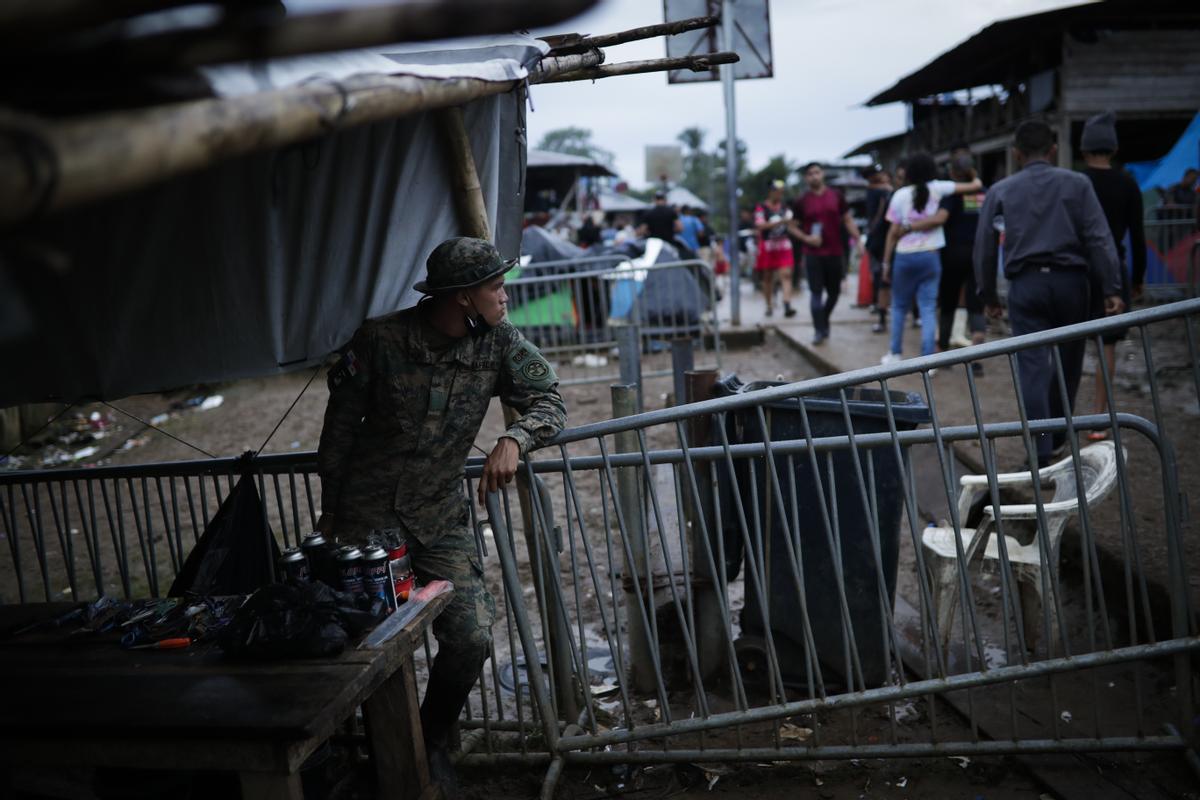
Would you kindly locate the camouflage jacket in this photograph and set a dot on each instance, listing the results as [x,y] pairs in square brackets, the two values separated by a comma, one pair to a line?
[402,416]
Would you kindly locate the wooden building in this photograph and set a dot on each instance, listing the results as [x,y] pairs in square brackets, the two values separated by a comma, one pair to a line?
[1140,60]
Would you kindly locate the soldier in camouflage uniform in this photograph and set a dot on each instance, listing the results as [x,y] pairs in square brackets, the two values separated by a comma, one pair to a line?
[407,398]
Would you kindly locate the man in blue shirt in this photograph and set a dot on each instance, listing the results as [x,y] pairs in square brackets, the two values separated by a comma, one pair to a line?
[692,228]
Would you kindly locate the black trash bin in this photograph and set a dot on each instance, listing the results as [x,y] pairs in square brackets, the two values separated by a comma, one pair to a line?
[843,495]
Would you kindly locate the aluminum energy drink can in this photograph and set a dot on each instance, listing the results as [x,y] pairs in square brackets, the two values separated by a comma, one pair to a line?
[400,569]
[317,551]
[375,575]
[349,568]
[293,566]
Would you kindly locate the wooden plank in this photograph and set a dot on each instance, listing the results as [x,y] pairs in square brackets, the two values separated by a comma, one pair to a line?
[274,705]
[393,718]
[192,708]
[137,752]
[271,786]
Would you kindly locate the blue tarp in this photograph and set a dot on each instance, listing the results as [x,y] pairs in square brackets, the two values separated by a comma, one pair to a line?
[1168,170]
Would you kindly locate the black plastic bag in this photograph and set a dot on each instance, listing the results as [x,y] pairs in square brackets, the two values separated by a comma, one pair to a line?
[237,553]
[297,620]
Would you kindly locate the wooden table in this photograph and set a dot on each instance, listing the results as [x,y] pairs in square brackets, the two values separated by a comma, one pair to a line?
[84,701]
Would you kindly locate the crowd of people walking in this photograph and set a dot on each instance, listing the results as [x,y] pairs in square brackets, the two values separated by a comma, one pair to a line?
[936,247]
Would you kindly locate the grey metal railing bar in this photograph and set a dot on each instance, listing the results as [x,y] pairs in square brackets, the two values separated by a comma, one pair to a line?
[874,374]
[866,697]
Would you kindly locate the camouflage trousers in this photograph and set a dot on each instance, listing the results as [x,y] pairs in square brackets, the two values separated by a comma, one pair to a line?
[465,626]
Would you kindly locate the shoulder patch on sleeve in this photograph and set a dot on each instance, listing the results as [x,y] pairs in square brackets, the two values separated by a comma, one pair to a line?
[346,368]
[529,367]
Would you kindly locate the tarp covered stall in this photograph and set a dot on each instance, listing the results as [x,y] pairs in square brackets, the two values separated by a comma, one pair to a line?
[666,301]
[542,304]
[680,196]
[266,261]
[1162,173]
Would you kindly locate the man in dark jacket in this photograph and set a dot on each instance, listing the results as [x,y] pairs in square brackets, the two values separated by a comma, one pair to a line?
[1056,245]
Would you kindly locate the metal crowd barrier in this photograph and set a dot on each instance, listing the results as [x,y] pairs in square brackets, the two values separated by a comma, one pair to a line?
[690,586]
[1168,233]
[582,314]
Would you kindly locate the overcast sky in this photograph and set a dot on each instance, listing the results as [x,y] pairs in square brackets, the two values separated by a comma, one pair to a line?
[830,57]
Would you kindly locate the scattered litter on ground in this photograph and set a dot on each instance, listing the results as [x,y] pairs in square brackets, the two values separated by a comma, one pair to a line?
[211,402]
[135,441]
[794,733]
[589,360]
[903,782]
[1065,716]
[906,711]
[962,761]
[159,419]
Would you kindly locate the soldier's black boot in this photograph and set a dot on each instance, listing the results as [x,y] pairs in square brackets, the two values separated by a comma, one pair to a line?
[449,685]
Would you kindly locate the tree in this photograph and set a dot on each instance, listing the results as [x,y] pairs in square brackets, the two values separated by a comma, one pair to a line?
[755,185]
[698,166]
[576,142]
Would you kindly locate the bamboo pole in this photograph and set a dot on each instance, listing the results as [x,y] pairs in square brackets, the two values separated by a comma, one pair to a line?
[263,36]
[574,43]
[20,18]
[473,221]
[694,63]
[464,178]
[49,166]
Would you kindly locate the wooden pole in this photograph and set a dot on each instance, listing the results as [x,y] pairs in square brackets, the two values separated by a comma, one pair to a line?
[51,165]
[23,18]
[464,179]
[574,43]
[694,63]
[240,36]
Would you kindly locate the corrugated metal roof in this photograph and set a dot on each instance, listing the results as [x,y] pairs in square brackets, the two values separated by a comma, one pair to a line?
[548,159]
[869,146]
[1017,47]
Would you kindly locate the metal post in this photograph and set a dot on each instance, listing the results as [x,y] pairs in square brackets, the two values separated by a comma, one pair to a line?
[512,585]
[683,361]
[629,480]
[629,352]
[544,554]
[711,641]
[735,297]
[557,637]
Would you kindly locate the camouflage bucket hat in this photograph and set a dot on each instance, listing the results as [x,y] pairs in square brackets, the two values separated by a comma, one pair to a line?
[460,263]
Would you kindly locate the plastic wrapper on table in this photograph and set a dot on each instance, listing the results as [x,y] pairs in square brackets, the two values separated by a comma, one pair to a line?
[298,620]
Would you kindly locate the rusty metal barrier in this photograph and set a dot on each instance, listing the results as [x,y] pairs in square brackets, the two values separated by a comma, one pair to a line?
[589,316]
[755,577]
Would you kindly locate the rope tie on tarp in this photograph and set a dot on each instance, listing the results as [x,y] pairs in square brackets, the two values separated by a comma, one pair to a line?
[311,378]
[168,434]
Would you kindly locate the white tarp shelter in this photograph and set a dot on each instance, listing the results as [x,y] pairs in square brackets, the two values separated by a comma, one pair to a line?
[267,261]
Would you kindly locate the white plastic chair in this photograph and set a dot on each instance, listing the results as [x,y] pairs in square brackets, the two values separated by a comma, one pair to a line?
[1098,467]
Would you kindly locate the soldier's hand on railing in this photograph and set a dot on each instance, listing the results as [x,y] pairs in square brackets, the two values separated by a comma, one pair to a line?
[500,467]
[1113,304]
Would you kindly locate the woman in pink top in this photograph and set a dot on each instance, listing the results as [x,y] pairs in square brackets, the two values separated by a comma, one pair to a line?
[774,248]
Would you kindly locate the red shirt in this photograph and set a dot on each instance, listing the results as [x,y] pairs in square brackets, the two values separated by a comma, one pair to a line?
[828,208]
